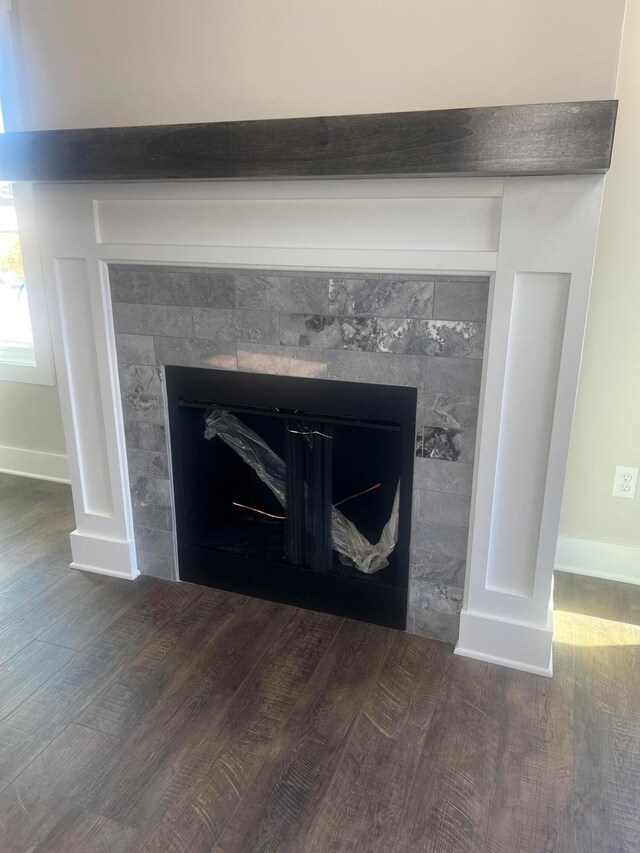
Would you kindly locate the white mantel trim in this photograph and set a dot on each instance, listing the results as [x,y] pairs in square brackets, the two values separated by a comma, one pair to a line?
[537,235]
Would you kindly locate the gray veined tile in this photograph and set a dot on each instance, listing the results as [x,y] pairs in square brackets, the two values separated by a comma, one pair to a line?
[157,565]
[156,517]
[147,463]
[437,625]
[143,407]
[169,288]
[450,445]
[382,368]
[454,375]
[426,595]
[145,436]
[129,285]
[437,443]
[438,568]
[437,476]
[135,349]
[169,320]
[389,297]
[461,300]
[444,508]
[449,338]
[153,541]
[311,330]
[283,293]
[151,491]
[450,411]
[282,361]
[441,538]
[212,289]
[140,379]
[221,324]
[192,352]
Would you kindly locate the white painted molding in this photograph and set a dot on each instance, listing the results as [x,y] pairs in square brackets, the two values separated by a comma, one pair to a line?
[596,559]
[104,556]
[34,463]
[507,643]
[542,258]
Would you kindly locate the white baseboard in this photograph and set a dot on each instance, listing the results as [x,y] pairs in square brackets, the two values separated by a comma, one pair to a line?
[607,560]
[102,556]
[34,463]
[486,638]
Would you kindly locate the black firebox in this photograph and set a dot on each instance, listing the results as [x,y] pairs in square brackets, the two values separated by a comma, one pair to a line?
[295,490]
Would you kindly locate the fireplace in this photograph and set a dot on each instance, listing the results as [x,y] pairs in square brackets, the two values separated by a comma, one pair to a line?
[292,489]
[244,270]
[388,365]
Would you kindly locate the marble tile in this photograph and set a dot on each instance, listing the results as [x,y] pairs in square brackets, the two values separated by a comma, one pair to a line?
[391,297]
[152,320]
[309,295]
[156,517]
[161,566]
[461,300]
[151,491]
[437,476]
[135,349]
[441,538]
[444,508]
[425,595]
[129,286]
[220,324]
[147,463]
[144,436]
[169,288]
[212,290]
[140,379]
[449,411]
[437,443]
[282,361]
[153,541]
[437,625]
[192,352]
[386,369]
[311,330]
[465,443]
[454,375]
[143,407]
[438,568]
[449,338]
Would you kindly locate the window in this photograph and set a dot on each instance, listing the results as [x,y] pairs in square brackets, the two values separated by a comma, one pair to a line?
[25,350]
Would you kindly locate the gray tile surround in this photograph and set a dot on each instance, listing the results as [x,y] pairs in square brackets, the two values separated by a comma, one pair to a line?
[422,331]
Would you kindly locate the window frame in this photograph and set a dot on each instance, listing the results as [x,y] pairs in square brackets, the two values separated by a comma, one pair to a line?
[42,373]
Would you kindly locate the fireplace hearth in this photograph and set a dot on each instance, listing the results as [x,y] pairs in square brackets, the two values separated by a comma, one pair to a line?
[292,489]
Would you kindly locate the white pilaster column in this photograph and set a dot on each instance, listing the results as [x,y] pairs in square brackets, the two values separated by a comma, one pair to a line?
[537,318]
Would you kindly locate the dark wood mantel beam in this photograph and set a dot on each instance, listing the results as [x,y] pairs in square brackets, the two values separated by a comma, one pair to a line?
[534,139]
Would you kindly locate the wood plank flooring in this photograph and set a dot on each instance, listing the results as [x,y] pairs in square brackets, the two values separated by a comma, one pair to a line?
[152,716]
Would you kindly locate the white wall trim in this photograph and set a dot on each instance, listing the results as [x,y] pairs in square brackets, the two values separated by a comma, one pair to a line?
[104,556]
[597,559]
[34,463]
[486,637]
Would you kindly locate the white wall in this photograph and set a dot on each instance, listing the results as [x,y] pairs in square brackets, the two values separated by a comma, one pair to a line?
[102,62]
[607,424]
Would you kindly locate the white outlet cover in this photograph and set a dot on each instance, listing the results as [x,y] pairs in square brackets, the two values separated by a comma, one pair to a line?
[625,482]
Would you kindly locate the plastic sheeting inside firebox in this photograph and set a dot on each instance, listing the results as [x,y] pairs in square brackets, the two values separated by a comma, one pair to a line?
[353,548]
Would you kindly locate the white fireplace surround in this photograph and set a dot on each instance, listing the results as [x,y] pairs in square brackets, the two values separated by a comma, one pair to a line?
[534,236]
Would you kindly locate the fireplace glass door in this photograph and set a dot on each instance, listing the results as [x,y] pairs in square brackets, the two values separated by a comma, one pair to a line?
[297,490]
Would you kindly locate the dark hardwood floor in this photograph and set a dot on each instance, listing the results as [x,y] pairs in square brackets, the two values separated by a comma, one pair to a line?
[152,716]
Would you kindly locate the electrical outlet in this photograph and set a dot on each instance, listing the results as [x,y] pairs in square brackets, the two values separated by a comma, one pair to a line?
[625,483]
